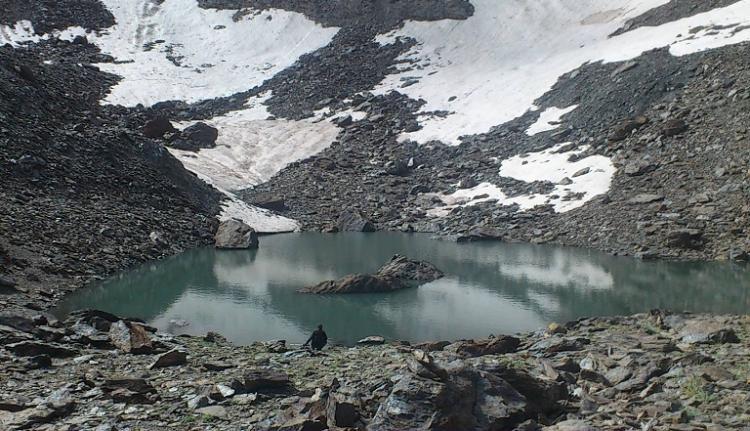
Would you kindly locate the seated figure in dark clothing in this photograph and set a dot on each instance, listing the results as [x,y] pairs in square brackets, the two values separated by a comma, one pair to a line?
[318,339]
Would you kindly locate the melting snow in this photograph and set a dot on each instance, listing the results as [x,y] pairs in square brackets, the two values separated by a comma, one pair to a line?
[549,120]
[511,52]
[251,149]
[178,51]
[23,32]
[594,178]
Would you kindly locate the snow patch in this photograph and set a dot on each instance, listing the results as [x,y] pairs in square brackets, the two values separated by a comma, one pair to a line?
[548,120]
[576,182]
[263,221]
[509,53]
[23,32]
[178,51]
[251,149]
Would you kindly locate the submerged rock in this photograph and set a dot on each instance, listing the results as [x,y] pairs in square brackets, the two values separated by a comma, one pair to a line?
[234,234]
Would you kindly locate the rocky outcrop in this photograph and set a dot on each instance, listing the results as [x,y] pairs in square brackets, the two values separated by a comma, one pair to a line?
[399,273]
[403,268]
[234,234]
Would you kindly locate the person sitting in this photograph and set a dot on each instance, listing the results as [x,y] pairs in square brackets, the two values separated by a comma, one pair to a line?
[318,339]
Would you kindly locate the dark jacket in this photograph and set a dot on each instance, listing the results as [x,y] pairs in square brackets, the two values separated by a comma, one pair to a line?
[318,339]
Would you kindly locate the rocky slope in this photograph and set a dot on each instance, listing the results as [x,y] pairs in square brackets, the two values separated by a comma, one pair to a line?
[84,193]
[658,372]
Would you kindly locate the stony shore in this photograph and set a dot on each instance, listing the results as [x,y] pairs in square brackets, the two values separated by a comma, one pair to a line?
[656,371]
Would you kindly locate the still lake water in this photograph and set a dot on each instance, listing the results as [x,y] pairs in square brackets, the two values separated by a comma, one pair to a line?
[489,288]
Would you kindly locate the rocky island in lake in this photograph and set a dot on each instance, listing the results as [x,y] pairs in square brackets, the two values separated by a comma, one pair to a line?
[399,273]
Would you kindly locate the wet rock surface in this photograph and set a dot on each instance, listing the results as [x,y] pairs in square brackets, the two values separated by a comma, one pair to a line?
[659,371]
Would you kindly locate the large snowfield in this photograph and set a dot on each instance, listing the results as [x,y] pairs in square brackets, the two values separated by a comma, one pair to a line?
[484,71]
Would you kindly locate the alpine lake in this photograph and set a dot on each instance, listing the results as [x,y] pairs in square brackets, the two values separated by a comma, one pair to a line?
[488,288]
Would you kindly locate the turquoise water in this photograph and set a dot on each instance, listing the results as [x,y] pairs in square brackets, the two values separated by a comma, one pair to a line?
[489,288]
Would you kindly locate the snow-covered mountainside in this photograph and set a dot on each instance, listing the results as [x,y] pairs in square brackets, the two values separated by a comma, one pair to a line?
[620,125]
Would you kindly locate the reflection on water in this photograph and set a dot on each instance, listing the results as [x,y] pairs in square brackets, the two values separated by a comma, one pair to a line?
[489,288]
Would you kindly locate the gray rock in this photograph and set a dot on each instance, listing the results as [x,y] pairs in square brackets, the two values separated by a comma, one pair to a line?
[352,221]
[262,379]
[357,283]
[33,348]
[572,425]
[406,269]
[645,198]
[213,411]
[582,172]
[234,234]
[373,340]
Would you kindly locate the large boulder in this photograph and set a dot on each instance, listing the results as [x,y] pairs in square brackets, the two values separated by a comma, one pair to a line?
[262,380]
[130,337]
[404,268]
[193,138]
[352,221]
[158,127]
[234,234]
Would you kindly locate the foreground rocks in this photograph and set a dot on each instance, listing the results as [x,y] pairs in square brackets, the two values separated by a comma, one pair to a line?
[655,371]
[400,273]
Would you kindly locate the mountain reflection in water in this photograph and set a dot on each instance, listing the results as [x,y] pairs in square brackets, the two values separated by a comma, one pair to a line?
[489,288]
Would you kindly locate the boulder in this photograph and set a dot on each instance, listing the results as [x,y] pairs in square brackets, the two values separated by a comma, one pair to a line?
[33,348]
[702,330]
[235,235]
[172,358]
[627,127]
[351,221]
[357,283]
[129,390]
[373,340]
[198,136]
[218,412]
[158,127]
[20,323]
[7,284]
[342,407]
[131,338]
[403,268]
[493,346]
[645,198]
[262,380]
